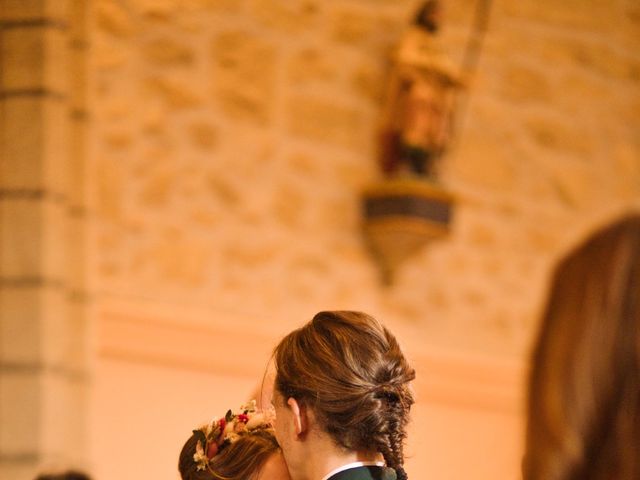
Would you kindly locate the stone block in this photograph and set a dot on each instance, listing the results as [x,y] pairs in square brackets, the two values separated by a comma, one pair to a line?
[35,144]
[483,161]
[337,214]
[43,414]
[250,255]
[605,59]
[287,15]
[355,173]
[108,56]
[575,184]
[252,105]
[183,12]
[75,264]
[168,52]
[624,159]
[76,192]
[20,311]
[80,342]
[482,236]
[178,258]
[157,188]
[542,240]
[79,426]
[20,411]
[244,75]
[599,58]
[522,83]
[352,26]
[55,328]
[303,165]
[78,86]
[154,121]
[575,87]
[57,10]
[368,82]
[223,191]
[311,65]
[55,245]
[34,58]
[78,23]
[176,93]
[118,140]
[33,239]
[203,135]
[22,144]
[326,121]
[591,15]
[22,234]
[559,135]
[290,206]
[63,417]
[459,13]
[368,29]
[630,31]
[108,189]
[631,115]
[114,19]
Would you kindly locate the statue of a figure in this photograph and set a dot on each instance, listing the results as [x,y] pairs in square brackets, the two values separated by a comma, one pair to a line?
[422,91]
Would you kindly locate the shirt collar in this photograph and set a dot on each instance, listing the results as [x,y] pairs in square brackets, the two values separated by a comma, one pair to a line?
[352,465]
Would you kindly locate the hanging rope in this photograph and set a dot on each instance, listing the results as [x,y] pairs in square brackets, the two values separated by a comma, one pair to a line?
[471,58]
[476,38]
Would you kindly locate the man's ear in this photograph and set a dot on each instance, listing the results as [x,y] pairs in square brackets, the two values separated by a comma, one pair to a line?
[300,417]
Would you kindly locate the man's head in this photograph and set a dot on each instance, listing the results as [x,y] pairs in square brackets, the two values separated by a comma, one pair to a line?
[342,375]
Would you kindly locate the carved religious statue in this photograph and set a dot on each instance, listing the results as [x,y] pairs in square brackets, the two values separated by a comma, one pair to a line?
[409,207]
[421,96]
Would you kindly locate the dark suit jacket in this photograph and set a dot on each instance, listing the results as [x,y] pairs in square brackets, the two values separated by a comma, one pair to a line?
[365,473]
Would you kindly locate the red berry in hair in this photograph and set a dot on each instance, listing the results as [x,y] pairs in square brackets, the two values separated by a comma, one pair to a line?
[212,450]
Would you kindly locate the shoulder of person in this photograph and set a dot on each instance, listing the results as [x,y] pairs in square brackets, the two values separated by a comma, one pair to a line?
[365,473]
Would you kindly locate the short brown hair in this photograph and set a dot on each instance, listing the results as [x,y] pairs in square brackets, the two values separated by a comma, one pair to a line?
[240,460]
[584,387]
[350,370]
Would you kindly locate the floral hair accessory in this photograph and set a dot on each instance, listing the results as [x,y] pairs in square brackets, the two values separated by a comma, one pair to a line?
[221,432]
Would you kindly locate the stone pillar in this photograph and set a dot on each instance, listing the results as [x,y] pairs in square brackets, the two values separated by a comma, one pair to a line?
[43,321]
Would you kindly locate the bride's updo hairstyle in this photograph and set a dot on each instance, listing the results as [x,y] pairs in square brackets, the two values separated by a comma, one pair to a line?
[240,461]
[350,371]
[234,447]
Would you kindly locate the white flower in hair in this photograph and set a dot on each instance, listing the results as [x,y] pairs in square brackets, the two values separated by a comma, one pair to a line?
[215,436]
[228,429]
[250,406]
[199,457]
[256,421]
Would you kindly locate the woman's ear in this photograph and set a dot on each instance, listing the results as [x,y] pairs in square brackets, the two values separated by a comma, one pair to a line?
[300,416]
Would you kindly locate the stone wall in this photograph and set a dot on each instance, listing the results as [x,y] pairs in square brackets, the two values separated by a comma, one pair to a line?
[232,140]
